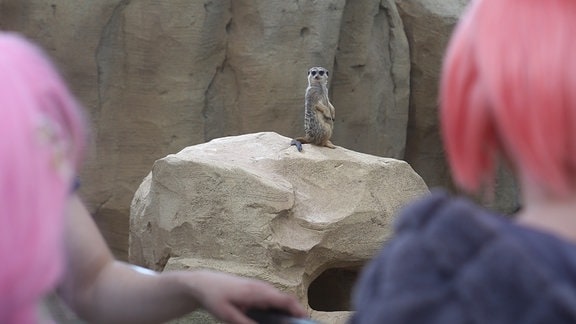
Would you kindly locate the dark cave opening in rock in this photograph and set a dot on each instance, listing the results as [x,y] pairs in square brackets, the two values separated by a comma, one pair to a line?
[332,290]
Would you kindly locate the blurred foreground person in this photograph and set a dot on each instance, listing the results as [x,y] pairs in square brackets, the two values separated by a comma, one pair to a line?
[508,94]
[47,238]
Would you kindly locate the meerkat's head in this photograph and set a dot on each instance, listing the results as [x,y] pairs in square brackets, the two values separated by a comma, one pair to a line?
[317,75]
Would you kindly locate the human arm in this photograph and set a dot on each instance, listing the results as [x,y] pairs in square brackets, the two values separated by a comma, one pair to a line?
[103,290]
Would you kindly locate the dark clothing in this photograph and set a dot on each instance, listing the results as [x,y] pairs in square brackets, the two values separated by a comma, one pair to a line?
[453,262]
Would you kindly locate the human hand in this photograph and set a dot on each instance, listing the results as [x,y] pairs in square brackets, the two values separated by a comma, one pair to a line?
[229,297]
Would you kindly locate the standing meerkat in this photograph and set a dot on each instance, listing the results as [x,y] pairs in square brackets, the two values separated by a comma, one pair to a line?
[319,113]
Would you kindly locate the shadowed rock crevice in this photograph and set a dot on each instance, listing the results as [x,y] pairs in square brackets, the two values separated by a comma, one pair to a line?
[332,290]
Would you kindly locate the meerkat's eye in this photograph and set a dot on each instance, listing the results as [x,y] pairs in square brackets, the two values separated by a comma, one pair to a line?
[321,72]
[313,73]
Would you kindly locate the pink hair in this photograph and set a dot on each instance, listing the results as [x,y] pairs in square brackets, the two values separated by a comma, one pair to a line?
[41,139]
[509,89]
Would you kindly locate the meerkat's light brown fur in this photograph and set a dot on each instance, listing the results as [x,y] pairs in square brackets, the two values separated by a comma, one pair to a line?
[319,113]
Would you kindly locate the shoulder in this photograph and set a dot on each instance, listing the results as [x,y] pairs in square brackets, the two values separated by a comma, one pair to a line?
[441,207]
[452,261]
[439,231]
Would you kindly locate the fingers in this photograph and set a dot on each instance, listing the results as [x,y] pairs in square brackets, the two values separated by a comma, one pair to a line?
[230,314]
[268,297]
[288,304]
[227,297]
[296,308]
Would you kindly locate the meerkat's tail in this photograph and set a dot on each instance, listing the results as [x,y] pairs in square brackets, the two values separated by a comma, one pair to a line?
[298,143]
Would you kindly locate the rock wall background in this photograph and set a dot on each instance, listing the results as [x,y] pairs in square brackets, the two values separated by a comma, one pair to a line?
[157,76]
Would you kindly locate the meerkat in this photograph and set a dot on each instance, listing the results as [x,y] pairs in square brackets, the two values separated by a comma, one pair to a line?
[319,113]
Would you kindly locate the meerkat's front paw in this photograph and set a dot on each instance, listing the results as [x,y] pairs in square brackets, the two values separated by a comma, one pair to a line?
[330,145]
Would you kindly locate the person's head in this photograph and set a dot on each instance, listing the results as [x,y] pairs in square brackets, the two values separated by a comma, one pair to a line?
[41,139]
[508,90]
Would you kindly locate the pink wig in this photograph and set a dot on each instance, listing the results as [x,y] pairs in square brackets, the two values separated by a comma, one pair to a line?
[41,138]
[509,90]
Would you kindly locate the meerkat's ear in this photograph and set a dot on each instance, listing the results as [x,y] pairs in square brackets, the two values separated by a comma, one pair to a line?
[327,73]
[308,72]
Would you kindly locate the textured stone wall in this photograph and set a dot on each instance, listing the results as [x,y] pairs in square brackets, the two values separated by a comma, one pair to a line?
[428,25]
[157,76]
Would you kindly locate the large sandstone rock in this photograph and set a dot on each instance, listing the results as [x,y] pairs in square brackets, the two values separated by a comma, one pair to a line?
[157,76]
[255,206]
